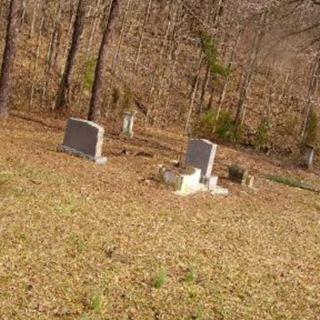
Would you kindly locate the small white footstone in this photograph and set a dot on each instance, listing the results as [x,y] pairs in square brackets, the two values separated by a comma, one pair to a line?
[219,191]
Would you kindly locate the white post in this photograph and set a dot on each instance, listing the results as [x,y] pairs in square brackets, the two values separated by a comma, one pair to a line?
[309,157]
[128,122]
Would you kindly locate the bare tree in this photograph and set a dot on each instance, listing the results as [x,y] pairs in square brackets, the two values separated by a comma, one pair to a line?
[145,21]
[9,55]
[34,15]
[99,80]
[52,45]
[63,100]
[312,91]
[193,94]
[250,68]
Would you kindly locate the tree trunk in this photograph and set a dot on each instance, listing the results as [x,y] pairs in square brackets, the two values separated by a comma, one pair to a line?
[193,95]
[9,56]
[172,46]
[93,29]
[62,102]
[116,56]
[123,25]
[312,90]
[135,15]
[250,71]
[215,18]
[34,15]
[71,18]
[23,11]
[99,80]
[146,19]
[50,53]
[172,76]
[230,66]
[36,62]
[92,34]
[160,63]
[204,88]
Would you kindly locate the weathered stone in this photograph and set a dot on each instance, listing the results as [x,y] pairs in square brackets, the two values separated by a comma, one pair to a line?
[211,183]
[250,181]
[219,191]
[184,182]
[84,139]
[128,122]
[201,154]
[238,174]
[308,157]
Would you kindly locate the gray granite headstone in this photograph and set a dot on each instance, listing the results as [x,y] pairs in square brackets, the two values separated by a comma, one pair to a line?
[84,138]
[201,154]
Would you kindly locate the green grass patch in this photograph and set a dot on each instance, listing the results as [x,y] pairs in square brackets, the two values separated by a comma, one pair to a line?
[192,276]
[77,243]
[160,279]
[67,205]
[291,182]
[5,175]
[96,302]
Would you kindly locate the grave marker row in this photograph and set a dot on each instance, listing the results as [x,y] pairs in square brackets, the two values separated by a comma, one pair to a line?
[85,138]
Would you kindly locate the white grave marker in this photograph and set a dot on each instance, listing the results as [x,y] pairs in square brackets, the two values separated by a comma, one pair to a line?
[128,122]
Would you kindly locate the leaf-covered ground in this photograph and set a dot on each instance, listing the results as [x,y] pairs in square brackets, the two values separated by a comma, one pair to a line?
[80,241]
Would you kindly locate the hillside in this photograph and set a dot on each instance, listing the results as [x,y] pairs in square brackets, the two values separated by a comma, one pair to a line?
[80,241]
[84,241]
[176,61]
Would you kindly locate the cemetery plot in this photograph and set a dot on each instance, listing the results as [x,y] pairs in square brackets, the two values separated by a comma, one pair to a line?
[196,174]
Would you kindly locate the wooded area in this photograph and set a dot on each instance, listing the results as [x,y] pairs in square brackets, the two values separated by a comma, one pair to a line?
[238,71]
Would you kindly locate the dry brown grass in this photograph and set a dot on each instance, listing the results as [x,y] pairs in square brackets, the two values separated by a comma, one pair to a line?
[79,241]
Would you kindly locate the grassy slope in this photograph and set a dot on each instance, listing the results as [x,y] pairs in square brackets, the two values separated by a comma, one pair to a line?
[79,241]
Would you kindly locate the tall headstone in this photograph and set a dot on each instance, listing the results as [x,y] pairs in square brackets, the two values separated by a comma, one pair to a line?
[128,122]
[201,154]
[84,139]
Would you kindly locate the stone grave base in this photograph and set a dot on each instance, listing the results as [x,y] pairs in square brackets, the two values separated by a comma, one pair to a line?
[187,181]
[74,152]
[211,185]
